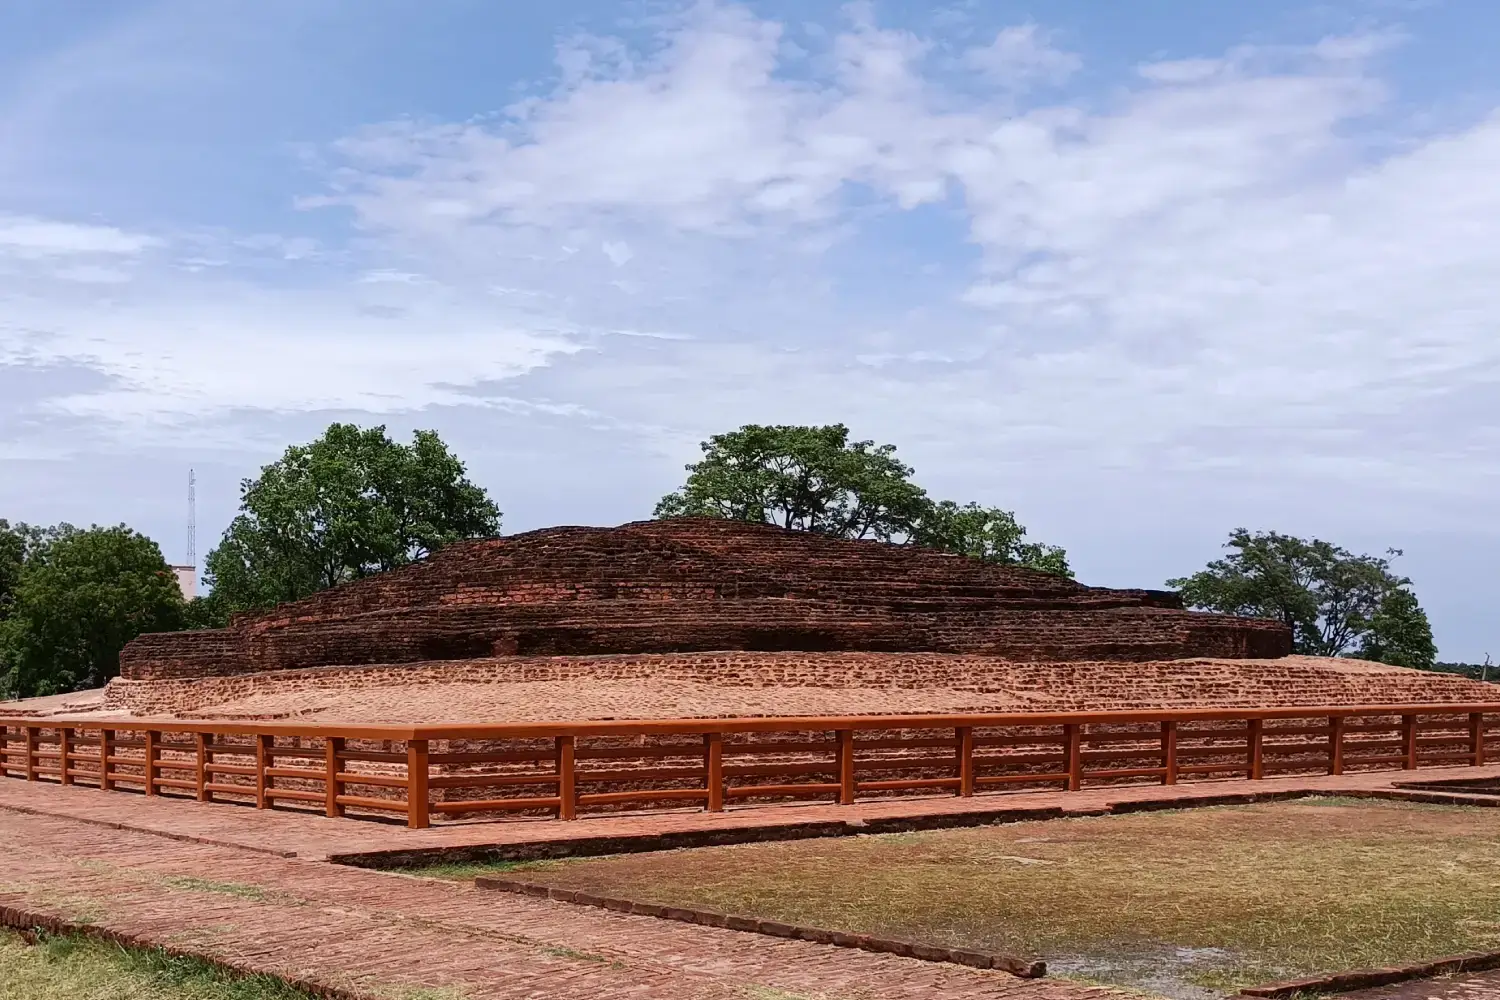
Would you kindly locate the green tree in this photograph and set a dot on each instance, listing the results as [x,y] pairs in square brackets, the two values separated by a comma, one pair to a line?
[12,558]
[1330,598]
[990,534]
[205,611]
[348,505]
[80,597]
[815,479]
[19,542]
[1399,633]
[804,478]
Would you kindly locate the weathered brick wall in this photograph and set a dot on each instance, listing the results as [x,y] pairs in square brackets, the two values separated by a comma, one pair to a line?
[700,585]
[998,685]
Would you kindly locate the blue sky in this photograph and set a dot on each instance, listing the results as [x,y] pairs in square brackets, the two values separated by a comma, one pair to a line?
[1142,271]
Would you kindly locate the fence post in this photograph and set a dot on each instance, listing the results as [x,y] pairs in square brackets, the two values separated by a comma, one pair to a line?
[1073,737]
[416,784]
[965,761]
[31,753]
[1409,742]
[264,745]
[64,747]
[1476,738]
[713,762]
[333,748]
[1336,744]
[200,748]
[153,747]
[1257,742]
[566,753]
[846,766]
[106,744]
[1169,752]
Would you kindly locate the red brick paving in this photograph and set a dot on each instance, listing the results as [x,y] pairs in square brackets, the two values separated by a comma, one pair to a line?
[379,934]
[312,836]
[139,868]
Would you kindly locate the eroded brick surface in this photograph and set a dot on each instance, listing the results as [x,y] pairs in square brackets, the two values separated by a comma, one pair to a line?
[748,684]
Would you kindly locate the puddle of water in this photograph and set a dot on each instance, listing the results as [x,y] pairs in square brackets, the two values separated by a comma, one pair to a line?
[1163,971]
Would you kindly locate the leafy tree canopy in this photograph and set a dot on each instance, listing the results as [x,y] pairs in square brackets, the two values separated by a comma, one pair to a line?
[79,597]
[348,505]
[1399,632]
[990,534]
[816,479]
[804,478]
[18,543]
[1335,602]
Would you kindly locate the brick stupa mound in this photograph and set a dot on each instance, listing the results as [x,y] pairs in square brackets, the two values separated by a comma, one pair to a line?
[702,617]
[698,585]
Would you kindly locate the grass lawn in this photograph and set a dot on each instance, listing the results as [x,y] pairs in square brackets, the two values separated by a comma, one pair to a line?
[1189,903]
[73,968]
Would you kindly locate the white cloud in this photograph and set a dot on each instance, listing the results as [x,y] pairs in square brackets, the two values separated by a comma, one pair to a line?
[619,254]
[1237,285]
[34,238]
[1209,253]
[1202,266]
[203,348]
[1021,55]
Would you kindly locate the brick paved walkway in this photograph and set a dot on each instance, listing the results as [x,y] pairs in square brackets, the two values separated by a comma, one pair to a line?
[382,934]
[245,887]
[312,836]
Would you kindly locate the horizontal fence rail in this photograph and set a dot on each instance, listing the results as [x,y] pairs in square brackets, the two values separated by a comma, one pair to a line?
[562,769]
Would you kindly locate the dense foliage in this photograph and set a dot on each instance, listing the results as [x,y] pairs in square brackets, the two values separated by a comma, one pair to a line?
[348,505]
[73,599]
[1335,602]
[816,479]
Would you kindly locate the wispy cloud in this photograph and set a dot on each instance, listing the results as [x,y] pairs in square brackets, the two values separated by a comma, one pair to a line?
[1022,55]
[1211,252]
[33,238]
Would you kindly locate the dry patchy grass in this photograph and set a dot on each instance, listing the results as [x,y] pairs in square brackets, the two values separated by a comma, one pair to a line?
[66,967]
[1185,902]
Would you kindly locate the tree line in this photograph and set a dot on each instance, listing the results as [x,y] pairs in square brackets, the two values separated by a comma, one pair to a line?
[355,502]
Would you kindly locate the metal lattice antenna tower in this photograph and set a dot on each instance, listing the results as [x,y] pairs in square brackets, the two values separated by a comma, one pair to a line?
[192,548]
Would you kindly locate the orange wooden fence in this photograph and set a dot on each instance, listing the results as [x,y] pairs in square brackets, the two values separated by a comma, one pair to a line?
[564,768]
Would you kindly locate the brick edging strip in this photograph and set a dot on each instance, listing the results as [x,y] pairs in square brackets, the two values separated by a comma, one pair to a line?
[773,831]
[21,920]
[1023,968]
[1362,979]
[548,849]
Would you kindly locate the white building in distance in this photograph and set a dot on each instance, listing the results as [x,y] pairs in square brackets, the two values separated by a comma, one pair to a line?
[187,581]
